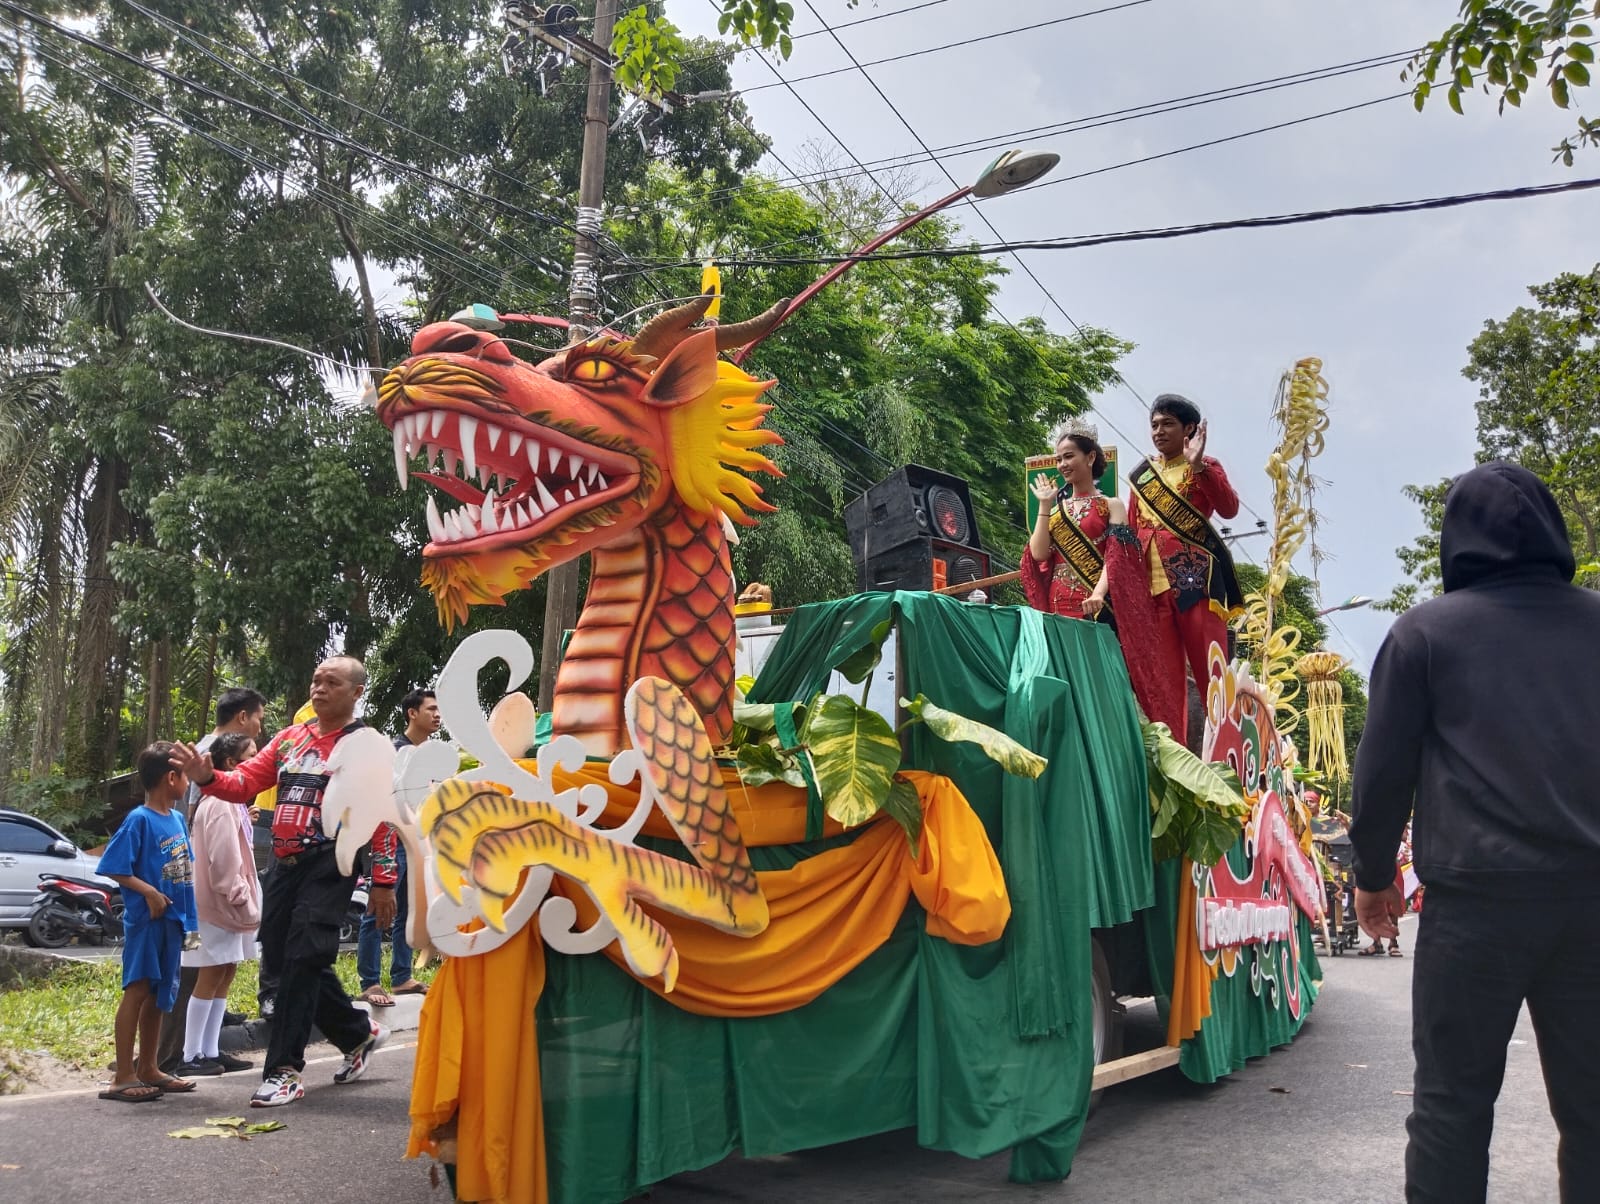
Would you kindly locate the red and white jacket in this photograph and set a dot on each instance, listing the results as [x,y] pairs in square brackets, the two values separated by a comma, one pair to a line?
[296,760]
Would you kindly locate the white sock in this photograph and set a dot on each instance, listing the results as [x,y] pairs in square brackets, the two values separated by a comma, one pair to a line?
[219,1005]
[194,1027]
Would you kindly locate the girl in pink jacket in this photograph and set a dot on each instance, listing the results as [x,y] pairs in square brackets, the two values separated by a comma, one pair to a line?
[228,902]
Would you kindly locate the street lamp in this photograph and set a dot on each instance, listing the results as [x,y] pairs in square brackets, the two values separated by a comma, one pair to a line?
[1013,170]
[1355,602]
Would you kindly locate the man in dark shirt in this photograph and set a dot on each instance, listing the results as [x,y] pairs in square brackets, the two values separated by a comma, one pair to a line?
[307,895]
[1481,721]
[421,711]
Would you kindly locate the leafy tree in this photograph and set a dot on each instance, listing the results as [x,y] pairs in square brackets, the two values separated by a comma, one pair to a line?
[179,512]
[1503,46]
[1420,558]
[897,362]
[1538,378]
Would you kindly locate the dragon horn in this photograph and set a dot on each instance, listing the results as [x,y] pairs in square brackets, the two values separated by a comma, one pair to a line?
[751,329]
[667,329]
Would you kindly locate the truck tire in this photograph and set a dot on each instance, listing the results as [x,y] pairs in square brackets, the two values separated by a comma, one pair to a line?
[1107,1017]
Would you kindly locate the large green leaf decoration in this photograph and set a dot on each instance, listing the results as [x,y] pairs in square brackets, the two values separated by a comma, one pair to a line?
[854,753]
[757,717]
[904,806]
[760,764]
[866,658]
[996,745]
[1196,805]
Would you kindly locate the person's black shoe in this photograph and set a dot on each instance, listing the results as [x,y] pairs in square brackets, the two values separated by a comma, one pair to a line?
[233,1018]
[229,1063]
[199,1068]
[268,1006]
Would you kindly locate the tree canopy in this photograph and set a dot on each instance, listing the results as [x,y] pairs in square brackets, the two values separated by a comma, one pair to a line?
[180,511]
[1538,378]
[1503,47]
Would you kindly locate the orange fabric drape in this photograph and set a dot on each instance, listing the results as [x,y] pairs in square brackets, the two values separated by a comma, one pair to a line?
[829,912]
[1191,976]
[832,910]
[478,1063]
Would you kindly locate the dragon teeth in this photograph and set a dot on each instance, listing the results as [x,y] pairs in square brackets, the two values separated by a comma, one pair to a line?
[436,529]
[400,466]
[546,502]
[450,462]
[574,465]
[438,424]
[514,442]
[486,515]
[469,445]
[555,460]
[494,435]
[469,529]
[532,451]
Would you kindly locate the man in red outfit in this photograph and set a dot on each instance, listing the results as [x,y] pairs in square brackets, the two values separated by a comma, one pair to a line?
[1173,498]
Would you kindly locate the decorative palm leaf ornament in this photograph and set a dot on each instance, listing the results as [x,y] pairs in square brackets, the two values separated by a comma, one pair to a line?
[1300,413]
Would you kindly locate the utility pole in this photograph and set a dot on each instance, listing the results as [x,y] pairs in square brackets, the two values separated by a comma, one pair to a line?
[583,302]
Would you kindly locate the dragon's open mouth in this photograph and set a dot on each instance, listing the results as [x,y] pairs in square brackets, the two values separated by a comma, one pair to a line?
[515,479]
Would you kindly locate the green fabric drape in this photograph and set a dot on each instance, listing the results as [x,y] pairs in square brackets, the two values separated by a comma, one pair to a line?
[979,1049]
[1245,1021]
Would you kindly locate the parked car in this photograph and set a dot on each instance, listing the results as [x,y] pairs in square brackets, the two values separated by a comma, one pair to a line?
[30,847]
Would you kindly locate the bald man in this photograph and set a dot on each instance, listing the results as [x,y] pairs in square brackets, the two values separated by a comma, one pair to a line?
[306,895]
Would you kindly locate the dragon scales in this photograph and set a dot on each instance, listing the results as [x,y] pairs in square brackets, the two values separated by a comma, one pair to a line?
[633,450]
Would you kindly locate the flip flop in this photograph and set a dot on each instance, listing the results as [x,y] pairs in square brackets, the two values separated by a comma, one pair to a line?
[132,1093]
[1370,951]
[415,988]
[377,997]
[169,1085]
[1395,953]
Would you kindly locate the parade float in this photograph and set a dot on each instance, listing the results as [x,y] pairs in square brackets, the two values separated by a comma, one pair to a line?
[700,921]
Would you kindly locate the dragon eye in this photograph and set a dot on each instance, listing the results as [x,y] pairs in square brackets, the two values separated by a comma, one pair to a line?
[593,371]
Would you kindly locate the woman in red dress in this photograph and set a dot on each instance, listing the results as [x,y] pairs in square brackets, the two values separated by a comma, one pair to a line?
[1083,561]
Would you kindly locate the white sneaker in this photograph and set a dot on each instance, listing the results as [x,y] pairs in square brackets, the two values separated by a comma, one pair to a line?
[359,1058]
[283,1087]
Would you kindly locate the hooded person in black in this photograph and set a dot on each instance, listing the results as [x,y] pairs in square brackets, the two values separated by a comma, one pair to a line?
[1481,729]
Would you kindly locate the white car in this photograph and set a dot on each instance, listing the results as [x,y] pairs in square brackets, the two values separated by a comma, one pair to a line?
[30,847]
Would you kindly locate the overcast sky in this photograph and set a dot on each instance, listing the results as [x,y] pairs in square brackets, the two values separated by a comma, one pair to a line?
[1388,303]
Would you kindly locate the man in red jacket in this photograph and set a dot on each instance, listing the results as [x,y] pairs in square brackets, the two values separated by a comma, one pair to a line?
[1172,501]
[306,895]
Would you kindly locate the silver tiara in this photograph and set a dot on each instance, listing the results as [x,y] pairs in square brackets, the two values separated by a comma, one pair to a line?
[1076,425]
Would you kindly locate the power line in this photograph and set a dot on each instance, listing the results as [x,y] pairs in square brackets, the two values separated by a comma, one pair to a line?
[408,237]
[1007,522]
[1157,233]
[332,137]
[984,217]
[911,54]
[188,35]
[993,142]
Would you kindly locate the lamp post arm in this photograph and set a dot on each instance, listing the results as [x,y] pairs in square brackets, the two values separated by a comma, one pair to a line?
[840,268]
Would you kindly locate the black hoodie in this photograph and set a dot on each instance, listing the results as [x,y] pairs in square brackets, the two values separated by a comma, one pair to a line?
[1485,709]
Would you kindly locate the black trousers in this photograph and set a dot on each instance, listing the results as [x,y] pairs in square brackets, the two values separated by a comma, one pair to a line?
[300,914]
[1477,960]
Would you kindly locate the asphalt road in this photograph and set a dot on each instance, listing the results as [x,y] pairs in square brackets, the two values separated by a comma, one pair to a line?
[1322,1120]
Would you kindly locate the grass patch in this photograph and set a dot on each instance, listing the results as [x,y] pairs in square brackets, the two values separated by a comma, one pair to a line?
[70,1012]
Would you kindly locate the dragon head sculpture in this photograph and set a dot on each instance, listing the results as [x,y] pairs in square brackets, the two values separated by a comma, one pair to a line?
[540,463]
[606,443]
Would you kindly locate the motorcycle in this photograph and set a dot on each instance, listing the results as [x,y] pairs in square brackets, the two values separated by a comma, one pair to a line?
[73,907]
[350,926]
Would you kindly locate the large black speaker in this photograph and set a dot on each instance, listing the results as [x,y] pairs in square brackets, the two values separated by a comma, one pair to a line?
[915,529]
[925,564]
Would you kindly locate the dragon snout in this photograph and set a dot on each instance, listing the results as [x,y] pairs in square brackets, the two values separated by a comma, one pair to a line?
[441,338]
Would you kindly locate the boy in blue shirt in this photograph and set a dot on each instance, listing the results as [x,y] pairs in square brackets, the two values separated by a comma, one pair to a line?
[149,858]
